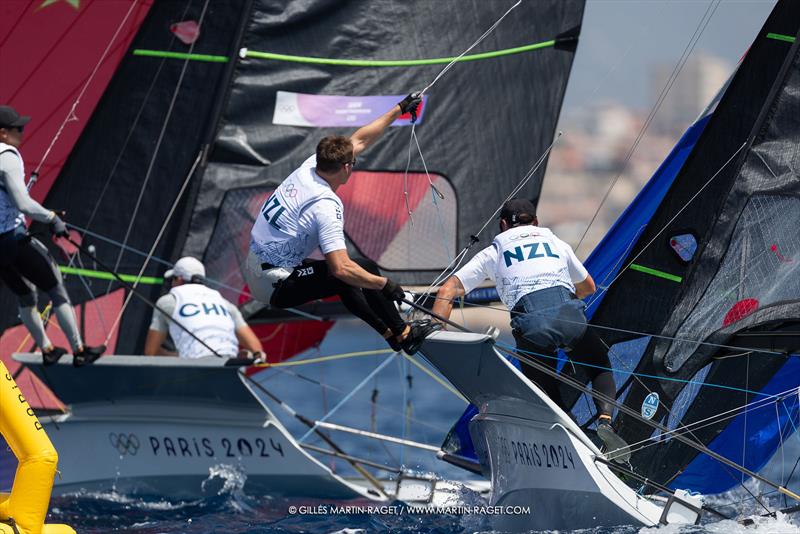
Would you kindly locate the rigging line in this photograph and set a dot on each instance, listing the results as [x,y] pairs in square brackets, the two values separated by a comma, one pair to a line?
[347,397]
[473,45]
[133,127]
[155,244]
[156,307]
[431,374]
[661,231]
[474,238]
[342,391]
[644,375]
[71,116]
[157,148]
[654,110]
[637,333]
[635,415]
[436,195]
[169,264]
[306,421]
[716,418]
[374,435]
[321,359]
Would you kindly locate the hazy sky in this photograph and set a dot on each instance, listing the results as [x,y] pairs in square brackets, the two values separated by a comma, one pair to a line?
[621,39]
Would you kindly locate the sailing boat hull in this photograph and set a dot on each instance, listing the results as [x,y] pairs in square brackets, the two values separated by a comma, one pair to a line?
[168,426]
[184,459]
[534,454]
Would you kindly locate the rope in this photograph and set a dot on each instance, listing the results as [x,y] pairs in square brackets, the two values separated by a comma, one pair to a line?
[687,51]
[438,380]
[71,114]
[346,398]
[156,150]
[308,361]
[473,45]
[155,244]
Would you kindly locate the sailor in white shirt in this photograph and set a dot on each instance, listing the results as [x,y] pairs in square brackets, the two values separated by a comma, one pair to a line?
[305,214]
[203,312]
[541,281]
[25,263]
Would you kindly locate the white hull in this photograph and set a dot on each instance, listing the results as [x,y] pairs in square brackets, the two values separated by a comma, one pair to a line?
[533,452]
[162,426]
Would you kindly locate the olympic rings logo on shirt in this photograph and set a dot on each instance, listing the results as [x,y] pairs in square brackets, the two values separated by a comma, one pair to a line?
[290,190]
[124,443]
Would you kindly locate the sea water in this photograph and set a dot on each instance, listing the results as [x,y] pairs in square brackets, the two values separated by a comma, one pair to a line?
[401,400]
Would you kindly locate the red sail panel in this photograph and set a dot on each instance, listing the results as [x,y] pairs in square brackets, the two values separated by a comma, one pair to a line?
[48,51]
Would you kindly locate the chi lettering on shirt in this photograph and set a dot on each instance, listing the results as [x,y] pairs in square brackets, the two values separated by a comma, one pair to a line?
[301,215]
[204,312]
[522,260]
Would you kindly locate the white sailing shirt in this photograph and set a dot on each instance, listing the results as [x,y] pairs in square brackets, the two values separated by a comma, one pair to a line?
[522,260]
[10,216]
[204,312]
[303,214]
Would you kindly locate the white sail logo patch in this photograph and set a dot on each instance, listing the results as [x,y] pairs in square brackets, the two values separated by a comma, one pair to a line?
[650,406]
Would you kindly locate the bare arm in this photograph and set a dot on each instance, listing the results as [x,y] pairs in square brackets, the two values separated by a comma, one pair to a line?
[366,135]
[152,344]
[351,273]
[248,339]
[450,290]
[585,288]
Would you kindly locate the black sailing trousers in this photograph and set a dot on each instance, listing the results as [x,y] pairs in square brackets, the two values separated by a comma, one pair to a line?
[313,280]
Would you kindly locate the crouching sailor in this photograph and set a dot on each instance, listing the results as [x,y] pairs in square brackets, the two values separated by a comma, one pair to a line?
[303,214]
[541,281]
[213,321]
[25,263]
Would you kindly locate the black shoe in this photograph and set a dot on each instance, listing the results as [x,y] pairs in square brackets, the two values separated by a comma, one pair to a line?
[51,357]
[617,449]
[393,343]
[419,331]
[87,355]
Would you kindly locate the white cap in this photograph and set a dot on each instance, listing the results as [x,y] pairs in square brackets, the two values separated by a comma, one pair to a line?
[186,268]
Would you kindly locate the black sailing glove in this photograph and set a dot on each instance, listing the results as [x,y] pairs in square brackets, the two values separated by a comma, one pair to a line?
[58,227]
[410,104]
[393,291]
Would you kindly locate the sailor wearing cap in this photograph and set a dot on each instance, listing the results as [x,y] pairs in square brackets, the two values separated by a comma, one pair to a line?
[203,312]
[24,261]
[541,281]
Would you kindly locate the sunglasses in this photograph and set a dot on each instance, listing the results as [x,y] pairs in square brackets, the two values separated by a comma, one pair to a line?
[351,163]
[17,128]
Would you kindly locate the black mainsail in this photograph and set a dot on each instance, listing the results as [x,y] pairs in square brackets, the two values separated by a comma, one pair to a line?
[712,284]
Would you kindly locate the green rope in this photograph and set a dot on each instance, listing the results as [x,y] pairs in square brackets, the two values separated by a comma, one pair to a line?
[102,275]
[397,62]
[780,37]
[656,272]
[180,55]
[345,62]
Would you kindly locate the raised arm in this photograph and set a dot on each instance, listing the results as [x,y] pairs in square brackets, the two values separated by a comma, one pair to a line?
[366,135]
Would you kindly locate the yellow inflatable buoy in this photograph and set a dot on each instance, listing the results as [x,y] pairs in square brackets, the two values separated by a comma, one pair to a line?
[24,509]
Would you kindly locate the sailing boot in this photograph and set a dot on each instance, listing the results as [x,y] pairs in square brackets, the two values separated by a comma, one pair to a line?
[617,449]
[53,355]
[416,336]
[87,355]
